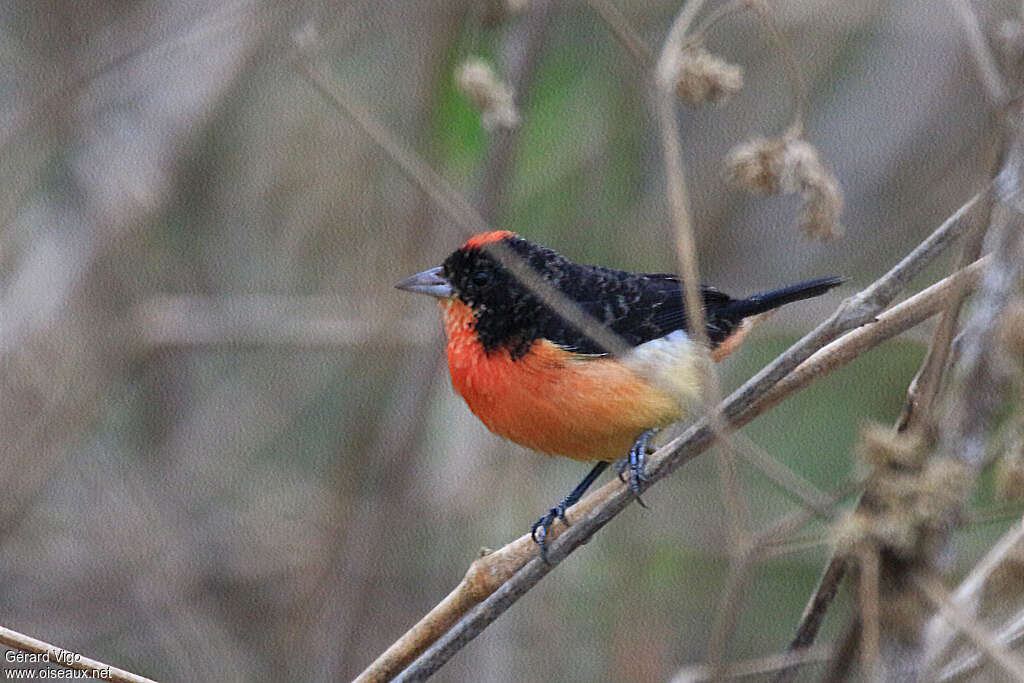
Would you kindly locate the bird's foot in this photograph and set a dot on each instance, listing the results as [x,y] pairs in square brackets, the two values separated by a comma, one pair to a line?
[636,464]
[539,532]
[541,529]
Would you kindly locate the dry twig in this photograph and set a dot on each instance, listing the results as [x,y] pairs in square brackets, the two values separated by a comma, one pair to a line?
[754,667]
[509,580]
[966,597]
[71,660]
[986,641]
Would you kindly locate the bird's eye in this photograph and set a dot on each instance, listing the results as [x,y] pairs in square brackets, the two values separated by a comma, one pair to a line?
[481,278]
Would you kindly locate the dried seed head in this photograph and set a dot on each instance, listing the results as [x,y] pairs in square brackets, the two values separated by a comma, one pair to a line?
[476,79]
[889,490]
[790,166]
[859,529]
[897,532]
[906,495]
[943,489]
[799,161]
[703,77]
[819,214]
[883,446]
[803,172]
[756,165]
[852,531]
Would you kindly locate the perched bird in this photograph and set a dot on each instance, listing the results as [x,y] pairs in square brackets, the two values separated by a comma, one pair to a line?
[533,377]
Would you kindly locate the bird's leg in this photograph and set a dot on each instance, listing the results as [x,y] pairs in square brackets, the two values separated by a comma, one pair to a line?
[539,530]
[636,463]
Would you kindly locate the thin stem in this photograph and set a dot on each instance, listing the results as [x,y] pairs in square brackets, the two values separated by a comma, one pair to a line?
[984,60]
[982,637]
[70,660]
[624,32]
[600,507]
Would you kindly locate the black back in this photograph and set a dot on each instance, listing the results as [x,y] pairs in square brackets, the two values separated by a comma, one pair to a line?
[638,307]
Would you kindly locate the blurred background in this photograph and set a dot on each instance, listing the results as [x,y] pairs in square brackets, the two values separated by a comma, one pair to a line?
[229,449]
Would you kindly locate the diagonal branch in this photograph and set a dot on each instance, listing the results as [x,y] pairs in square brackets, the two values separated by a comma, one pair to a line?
[961,222]
[71,660]
[501,577]
[936,593]
[938,636]
[985,61]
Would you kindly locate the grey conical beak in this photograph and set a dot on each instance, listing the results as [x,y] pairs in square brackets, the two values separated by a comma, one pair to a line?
[428,282]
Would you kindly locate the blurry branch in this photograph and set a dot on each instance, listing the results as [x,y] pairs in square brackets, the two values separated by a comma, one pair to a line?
[1011,632]
[501,578]
[112,168]
[70,660]
[906,314]
[753,667]
[973,401]
[774,539]
[868,607]
[416,170]
[995,87]
[901,317]
[895,321]
[967,595]
[522,45]
[921,394]
[856,310]
[668,75]
[305,322]
[116,153]
[677,74]
[924,388]
[624,32]
[987,643]
[729,607]
[935,361]
[801,490]
[980,371]
[449,201]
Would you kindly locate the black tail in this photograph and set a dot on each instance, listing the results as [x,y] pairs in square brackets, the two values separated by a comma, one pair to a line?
[738,309]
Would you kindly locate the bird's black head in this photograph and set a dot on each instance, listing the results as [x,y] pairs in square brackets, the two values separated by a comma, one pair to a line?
[510,317]
[508,314]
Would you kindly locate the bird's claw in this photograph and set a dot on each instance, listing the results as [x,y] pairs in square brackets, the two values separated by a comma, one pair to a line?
[636,464]
[539,530]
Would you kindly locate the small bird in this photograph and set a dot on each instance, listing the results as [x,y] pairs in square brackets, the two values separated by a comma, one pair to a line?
[536,379]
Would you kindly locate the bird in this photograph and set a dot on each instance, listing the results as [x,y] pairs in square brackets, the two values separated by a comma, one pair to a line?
[547,381]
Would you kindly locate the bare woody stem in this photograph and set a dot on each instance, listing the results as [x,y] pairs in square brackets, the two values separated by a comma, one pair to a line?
[501,577]
[61,657]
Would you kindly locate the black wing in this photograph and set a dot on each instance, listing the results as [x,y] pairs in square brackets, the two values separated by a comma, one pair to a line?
[642,307]
[636,307]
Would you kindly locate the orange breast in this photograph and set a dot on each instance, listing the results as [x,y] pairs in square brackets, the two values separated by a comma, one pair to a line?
[550,400]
